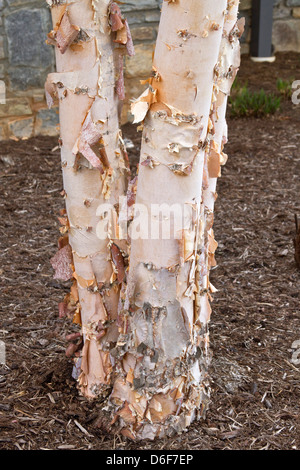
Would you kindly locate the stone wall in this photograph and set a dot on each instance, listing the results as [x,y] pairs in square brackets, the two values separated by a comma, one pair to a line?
[286,25]
[286,31]
[25,59]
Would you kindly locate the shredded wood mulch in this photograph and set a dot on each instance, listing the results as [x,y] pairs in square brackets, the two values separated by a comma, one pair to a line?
[255,401]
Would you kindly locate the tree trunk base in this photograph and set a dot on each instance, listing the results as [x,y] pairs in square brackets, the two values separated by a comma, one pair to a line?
[146,430]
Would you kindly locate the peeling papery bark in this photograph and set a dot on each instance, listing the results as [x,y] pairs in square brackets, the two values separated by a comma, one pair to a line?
[94,173]
[161,382]
[225,73]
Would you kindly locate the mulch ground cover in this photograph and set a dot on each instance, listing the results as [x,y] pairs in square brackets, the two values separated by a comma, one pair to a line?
[255,401]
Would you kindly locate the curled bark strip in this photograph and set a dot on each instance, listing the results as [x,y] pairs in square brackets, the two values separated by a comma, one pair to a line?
[99,149]
[118,261]
[129,43]
[62,262]
[89,136]
[62,309]
[63,241]
[50,92]
[72,349]
[66,33]
[140,107]
[131,193]
[205,180]
[99,370]
[121,36]
[115,17]
[238,29]
[70,307]
[103,155]
[121,28]
[214,164]
[51,38]
[76,341]
[126,414]
[73,336]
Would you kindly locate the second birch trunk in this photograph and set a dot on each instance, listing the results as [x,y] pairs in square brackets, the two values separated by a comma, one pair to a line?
[162,382]
[94,174]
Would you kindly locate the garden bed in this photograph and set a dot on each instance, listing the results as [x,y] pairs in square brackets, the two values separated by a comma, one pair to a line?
[255,402]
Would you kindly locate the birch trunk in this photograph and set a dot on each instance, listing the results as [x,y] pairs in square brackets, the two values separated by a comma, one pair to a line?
[161,382]
[225,73]
[94,168]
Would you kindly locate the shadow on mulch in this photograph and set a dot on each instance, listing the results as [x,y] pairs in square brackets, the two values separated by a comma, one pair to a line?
[255,385]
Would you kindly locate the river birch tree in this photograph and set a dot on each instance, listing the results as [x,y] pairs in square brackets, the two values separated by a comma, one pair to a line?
[145,324]
[90,38]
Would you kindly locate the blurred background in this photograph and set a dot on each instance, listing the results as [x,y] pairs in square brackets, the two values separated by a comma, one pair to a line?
[25,59]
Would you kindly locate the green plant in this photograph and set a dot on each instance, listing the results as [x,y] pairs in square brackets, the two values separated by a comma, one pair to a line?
[284,87]
[248,103]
